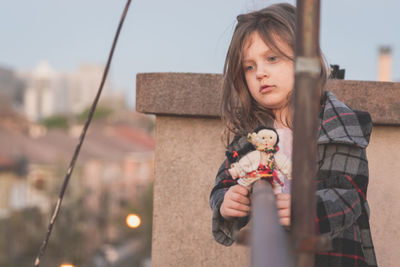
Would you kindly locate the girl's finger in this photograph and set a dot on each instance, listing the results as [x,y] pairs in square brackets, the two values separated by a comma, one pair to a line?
[283,204]
[240,198]
[283,213]
[283,197]
[284,221]
[237,206]
[240,189]
[236,213]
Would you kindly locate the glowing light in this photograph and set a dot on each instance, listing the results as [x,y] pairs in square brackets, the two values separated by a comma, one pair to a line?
[133,221]
[67,265]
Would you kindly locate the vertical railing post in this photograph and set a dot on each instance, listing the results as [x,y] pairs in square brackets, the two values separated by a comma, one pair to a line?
[269,241]
[306,99]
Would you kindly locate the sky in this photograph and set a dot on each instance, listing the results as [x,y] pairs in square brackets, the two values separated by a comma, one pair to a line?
[179,35]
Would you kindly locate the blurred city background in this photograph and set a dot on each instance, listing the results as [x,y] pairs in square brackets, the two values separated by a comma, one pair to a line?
[42,113]
[52,57]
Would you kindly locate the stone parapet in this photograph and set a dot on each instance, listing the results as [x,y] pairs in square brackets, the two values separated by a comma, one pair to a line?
[182,94]
[197,94]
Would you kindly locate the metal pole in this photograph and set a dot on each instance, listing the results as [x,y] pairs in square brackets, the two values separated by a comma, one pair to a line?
[269,241]
[305,122]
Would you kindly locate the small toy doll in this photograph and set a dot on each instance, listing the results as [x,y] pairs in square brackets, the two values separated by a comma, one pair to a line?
[260,159]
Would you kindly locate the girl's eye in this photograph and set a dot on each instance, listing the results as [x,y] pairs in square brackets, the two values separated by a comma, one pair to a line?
[272,59]
[248,68]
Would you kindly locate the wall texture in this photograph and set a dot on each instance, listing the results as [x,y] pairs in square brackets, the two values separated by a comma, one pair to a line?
[189,151]
[384,193]
[188,154]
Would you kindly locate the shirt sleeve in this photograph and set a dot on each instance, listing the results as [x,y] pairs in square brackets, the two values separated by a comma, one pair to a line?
[224,231]
[341,187]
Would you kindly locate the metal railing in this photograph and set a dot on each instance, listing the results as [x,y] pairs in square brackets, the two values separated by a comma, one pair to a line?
[270,244]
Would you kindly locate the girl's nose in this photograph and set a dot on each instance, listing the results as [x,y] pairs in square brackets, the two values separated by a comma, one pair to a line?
[262,72]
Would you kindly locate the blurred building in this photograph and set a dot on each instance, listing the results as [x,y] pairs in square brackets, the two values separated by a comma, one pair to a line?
[49,92]
[117,160]
[11,89]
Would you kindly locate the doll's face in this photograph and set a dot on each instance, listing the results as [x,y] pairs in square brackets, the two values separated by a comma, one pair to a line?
[267,138]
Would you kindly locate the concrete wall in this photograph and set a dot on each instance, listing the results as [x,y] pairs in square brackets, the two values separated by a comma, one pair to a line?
[184,174]
[384,193]
[188,129]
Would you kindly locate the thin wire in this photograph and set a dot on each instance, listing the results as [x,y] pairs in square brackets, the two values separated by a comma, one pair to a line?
[82,137]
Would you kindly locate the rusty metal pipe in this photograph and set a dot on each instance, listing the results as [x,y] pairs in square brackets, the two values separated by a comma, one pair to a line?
[269,241]
[305,126]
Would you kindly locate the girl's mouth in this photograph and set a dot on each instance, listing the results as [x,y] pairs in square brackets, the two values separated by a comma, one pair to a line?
[266,88]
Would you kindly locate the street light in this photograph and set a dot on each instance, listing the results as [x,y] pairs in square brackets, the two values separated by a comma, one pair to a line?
[133,221]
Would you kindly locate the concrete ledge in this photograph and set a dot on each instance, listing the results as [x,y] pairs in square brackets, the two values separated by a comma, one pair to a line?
[380,99]
[198,94]
[184,94]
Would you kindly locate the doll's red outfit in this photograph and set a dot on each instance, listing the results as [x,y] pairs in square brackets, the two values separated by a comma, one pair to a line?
[267,172]
[342,180]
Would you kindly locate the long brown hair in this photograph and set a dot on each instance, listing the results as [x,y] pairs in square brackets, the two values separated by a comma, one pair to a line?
[239,111]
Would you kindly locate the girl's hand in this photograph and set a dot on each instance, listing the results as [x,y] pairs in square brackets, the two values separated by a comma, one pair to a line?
[283,205]
[236,203]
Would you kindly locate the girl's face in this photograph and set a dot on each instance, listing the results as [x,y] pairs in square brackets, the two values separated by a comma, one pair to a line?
[269,76]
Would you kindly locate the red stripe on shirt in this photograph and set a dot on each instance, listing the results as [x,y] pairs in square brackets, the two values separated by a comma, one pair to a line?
[355,185]
[334,117]
[227,168]
[348,177]
[355,244]
[340,212]
[341,255]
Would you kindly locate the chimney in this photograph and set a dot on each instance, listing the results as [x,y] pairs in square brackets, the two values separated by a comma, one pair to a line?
[385,64]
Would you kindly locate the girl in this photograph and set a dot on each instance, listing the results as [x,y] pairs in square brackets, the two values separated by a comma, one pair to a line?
[257,88]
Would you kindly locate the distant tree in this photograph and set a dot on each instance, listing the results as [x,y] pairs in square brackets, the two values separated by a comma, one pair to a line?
[68,242]
[20,237]
[23,232]
[57,121]
[100,113]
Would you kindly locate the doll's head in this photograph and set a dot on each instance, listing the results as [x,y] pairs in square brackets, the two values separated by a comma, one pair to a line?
[264,138]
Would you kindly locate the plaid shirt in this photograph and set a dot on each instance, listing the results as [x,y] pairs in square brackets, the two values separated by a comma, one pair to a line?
[342,180]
